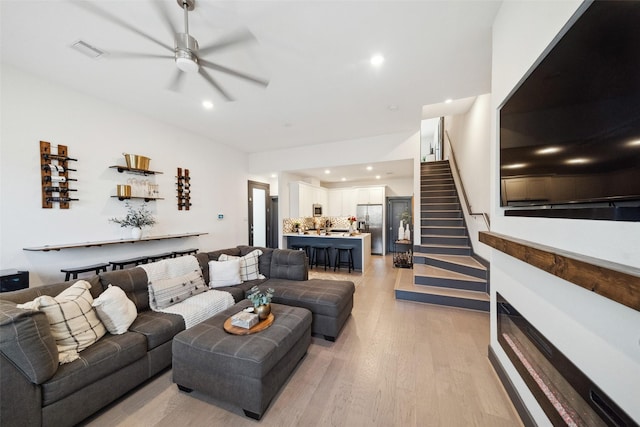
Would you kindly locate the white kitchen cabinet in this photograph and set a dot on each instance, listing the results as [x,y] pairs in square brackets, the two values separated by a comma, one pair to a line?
[370,195]
[303,196]
[341,202]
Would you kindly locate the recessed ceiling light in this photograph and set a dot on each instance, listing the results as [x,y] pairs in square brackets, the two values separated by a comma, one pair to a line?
[448,101]
[377,176]
[377,60]
[327,171]
[207,104]
[343,179]
[369,168]
[274,175]
[86,49]
[393,107]
[549,150]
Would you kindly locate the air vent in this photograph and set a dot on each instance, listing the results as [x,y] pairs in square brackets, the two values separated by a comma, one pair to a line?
[88,50]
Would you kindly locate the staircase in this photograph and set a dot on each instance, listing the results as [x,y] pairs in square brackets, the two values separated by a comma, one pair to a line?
[444,272]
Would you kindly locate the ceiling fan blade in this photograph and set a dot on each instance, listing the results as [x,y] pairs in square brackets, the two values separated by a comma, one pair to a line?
[230,40]
[119,55]
[166,18]
[235,73]
[176,82]
[215,84]
[92,8]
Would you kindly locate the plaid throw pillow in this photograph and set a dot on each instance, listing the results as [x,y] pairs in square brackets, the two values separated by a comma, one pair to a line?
[249,265]
[166,292]
[73,321]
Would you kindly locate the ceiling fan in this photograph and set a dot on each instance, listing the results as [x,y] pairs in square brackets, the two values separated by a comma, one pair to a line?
[186,51]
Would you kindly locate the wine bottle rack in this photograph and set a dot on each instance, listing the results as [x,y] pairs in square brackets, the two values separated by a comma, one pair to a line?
[184,189]
[54,173]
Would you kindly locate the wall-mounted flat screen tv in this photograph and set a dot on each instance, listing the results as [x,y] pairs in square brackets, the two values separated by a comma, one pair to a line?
[570,131]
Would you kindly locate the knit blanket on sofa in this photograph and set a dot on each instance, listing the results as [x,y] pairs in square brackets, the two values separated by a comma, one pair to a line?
[193,309]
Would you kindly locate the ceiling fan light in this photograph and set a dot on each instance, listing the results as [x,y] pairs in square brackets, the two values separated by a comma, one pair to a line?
[187,65]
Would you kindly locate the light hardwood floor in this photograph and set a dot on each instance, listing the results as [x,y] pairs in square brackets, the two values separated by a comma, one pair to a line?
[396,363]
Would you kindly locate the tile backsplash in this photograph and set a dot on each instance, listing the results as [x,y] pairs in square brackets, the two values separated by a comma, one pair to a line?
[288,225]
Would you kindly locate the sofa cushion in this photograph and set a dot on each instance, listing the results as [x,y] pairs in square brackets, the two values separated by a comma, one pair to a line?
[166,292]
[73,322]
[115,310]
[289,264]
[204,258]
[249,264]
[265,259]
[157,327]
[106,356]
[133,281]
[25,339]
[224,273]
[326,297]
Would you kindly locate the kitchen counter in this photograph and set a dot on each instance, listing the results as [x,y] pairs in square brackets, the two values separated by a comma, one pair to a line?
[361,244]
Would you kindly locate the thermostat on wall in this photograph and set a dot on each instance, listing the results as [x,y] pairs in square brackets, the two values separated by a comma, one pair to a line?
[220,216]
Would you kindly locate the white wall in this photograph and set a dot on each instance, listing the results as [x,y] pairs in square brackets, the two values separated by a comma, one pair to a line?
[470,135]
[96,133]
[600,336]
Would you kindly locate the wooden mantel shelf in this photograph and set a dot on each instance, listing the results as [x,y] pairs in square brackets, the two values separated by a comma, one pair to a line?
[617,282]
[47,248]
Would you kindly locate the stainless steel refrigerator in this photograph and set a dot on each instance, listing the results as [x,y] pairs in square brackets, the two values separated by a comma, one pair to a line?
[372,217]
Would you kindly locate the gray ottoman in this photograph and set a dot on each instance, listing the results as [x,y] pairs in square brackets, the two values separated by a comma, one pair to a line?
[245,370]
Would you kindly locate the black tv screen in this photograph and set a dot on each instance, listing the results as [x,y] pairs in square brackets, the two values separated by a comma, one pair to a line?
[570,132]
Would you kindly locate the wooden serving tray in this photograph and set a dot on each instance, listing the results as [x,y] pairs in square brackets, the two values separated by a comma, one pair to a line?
[260,326]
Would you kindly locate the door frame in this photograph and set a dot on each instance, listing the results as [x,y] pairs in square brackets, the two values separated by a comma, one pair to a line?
[267,203]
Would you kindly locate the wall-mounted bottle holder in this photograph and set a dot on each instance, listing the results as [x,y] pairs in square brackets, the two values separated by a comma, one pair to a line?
[54,173]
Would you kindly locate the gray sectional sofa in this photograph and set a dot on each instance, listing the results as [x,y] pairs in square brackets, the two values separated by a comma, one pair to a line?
[36,391]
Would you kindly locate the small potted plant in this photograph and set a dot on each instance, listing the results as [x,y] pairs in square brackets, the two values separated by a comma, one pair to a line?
[261,301]
[136,219]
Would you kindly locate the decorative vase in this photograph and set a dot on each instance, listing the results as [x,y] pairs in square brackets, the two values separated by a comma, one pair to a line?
[407,233]
[136,233]
[401,230]
[263,311]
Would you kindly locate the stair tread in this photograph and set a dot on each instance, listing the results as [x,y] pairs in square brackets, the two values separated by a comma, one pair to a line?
[454,259]
[440,245]
[440,236]
[442,226]
[404,282]
[441,273]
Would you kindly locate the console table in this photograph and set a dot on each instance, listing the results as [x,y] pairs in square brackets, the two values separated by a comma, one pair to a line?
[47,248]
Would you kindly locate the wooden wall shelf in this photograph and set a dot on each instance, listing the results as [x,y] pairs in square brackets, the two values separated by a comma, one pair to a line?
[47,248]
[617,282]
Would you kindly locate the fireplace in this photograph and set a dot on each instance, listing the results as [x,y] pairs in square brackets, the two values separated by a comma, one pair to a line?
[566,394]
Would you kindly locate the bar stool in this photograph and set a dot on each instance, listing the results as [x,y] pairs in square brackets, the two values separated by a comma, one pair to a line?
[348,251]
[135,261]
[182,252]
[325,251]
[158,257]
[74,271]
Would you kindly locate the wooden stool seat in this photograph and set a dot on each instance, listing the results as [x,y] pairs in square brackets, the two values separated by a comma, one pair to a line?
[305,248]
[135,261]
[191,251]
[76,270]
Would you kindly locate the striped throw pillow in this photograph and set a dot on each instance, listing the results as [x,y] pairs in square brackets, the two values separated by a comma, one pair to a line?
[166,292]
[249,265]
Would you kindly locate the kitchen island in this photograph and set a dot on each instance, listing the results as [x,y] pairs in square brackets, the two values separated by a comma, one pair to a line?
[361,244]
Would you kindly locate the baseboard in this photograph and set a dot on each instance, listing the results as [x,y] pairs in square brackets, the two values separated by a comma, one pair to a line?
[514,396]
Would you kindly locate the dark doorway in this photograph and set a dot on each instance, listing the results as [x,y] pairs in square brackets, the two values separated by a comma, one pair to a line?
[398,208]
[259,214]
[272,242]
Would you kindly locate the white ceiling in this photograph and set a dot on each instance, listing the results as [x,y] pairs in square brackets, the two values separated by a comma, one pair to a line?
[315,54]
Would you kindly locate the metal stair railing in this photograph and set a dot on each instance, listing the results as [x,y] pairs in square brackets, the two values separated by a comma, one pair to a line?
[470,212]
